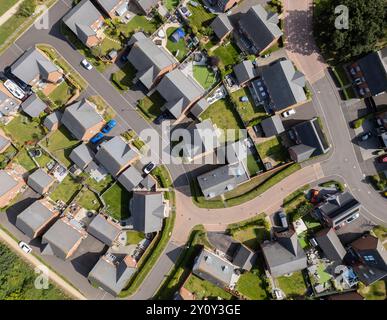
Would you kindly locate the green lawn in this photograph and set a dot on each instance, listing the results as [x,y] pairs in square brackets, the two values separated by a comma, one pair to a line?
[123,78]
[381,233]
[60,144]
[43,160]
[204,289]
[247,110]
[252,165]
[24,159]
[89,200]
[224,116]
[293,286]
[7,156]
[303,238]
[18,279]
[61,94]
[9,26]
[178,49]
[139,23]
[23,130]
[151,106]
[311,223]
[5,5]
[66,190]
[251,286]
[108,45]
[376,291]
[134,237]
[171,4]
[204,75]
[103,108]
[117,202]
[272,149]
[228,54]
[99,186]
[200,17]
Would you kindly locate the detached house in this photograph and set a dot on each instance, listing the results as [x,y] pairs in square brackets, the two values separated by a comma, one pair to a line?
[146,6]
[222,26]
[114,8]
[35,68]
[86,22]
[4,142]
[285,254]
[9,188]
[258,30]
[35,219]
[224,5]
[116,155]
[104,230]
[150,60]
[82,120]
[371,264]
[180,93]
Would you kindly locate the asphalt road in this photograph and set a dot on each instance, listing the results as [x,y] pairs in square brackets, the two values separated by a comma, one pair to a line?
[342,162]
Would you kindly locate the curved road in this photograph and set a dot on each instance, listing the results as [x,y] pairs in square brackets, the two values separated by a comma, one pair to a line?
[301,49]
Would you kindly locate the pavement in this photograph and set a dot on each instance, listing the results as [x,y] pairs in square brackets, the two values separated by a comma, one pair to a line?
[341,163]
[10,12]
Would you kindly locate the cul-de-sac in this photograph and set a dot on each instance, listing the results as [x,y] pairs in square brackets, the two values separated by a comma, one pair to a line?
[193,150]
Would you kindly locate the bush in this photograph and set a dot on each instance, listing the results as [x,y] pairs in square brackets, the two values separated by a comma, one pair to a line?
[27,8]
[302,210]
[117,82]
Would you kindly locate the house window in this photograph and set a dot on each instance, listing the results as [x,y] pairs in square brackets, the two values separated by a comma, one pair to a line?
[369,258]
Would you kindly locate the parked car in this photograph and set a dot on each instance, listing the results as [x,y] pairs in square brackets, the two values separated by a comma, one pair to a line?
[24,86]
[365,136]
[267,55]
[283,220]
[184,12]
[97,138]
[149,167]
[382,159]
[109,126]
[14,89]
[288,113]
[352,218]
[86,64]
[25,247]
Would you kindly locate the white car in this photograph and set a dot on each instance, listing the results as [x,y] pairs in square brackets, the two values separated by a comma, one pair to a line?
[13,88]
[288,113]
[25,247]
[149,167]
[86,64]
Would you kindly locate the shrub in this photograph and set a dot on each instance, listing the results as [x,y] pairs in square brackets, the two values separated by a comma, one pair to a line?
[27,8]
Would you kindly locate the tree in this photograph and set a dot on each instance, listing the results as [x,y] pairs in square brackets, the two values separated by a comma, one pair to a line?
[27,8]
[366,26]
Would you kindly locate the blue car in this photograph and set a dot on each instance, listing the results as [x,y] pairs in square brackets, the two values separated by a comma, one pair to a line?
[109,126]
[97,138]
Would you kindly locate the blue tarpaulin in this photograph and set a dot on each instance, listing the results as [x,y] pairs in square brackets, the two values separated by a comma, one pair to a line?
[177,35]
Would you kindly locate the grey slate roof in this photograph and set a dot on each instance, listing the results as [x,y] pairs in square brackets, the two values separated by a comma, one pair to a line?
[82,156]
[372,259]
[260,26]
[244,71]
[115,154]
[130,178]
[103,230]
[108,5]
[52,119]
[7,104]
[32,64]
[33,218]
[7,183]
[374,69]
[146,5]
[147,209]
[61,238]
[330,244]
[221,25]
[211,267]
[199,107]
[222,179]
[39,180]
[284,83]
[179,91]
[79,117]
[33,106]
[310,134]
[284,255]
[243,258]
[338,206]
[148,182]
[301,152]
[80,18]
[272,126]
[112,277]
[3,142]
[148,59]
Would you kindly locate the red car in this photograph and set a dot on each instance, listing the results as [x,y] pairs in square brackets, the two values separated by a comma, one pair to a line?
[382,159]
[314,196]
